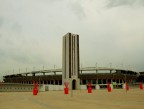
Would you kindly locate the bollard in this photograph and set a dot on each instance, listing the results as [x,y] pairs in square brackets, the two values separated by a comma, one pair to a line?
[66,89]
[109,87]
[141,85]
[35,89]
[127,87]
[89,89]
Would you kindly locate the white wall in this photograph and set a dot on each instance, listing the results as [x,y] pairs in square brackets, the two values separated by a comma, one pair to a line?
[13,87]
[83,87]
[97,87]
[54,87]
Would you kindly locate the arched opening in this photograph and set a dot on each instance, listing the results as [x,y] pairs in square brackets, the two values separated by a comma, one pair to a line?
[74,84]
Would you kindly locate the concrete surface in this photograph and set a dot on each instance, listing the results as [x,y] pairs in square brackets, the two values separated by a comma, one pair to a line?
[99,99]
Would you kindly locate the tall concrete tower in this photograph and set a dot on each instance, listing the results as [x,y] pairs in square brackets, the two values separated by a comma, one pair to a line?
[70,60]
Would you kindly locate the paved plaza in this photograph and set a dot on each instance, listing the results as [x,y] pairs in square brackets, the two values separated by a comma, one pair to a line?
[98,99]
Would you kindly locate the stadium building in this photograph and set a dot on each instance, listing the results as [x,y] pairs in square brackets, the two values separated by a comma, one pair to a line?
[78,78]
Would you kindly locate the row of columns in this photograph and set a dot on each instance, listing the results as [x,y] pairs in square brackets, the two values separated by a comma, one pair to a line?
[54,82]
[82,81]
[102,81]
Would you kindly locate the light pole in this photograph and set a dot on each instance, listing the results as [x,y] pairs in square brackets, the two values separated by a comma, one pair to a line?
[96,74]
[125,81]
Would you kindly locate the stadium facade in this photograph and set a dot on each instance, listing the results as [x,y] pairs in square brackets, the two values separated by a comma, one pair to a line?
[72,73]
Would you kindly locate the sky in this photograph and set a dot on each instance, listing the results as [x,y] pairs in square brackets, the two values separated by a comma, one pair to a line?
[111,33]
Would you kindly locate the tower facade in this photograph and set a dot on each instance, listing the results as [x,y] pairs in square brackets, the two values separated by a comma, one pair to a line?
[70,60]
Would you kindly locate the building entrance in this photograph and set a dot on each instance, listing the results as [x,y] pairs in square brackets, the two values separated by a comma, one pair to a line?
[74,84]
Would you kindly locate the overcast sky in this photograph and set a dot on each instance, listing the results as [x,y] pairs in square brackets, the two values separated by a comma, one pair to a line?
[111,33]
